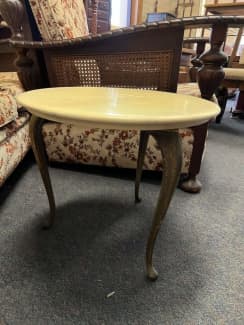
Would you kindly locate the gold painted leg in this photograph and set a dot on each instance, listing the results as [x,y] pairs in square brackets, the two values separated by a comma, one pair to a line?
[170,146]
[144,135]
[40,155]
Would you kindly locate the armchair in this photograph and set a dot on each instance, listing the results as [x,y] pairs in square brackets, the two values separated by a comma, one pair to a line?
[14,122]
[144,56]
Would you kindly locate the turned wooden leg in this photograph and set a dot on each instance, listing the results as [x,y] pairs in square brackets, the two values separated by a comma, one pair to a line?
[170,146]
[222,96]
[144,135]
[41,159]
[191,184]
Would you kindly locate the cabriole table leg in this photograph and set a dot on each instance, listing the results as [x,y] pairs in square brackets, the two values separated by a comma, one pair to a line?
[170,146]
[144,135]
[41,159]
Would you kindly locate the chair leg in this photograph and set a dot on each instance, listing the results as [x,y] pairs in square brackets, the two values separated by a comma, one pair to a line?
[191,184]
[222,96]
[144,135]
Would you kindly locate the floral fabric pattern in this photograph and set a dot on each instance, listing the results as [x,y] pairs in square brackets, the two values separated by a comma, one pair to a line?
[15,145]
[69,143]
[8,108]
[8,130]
[10,81]
[9,88]
[60,19]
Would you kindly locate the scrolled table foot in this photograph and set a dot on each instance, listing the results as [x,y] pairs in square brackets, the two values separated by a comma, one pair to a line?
[152,274]
[137,198]
[49,222]
[170,146]
[38,148]
[144,135]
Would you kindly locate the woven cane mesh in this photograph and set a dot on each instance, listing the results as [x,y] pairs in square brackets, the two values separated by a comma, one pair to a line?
[135,70]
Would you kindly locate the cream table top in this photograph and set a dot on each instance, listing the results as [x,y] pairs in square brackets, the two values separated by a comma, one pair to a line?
[118,108]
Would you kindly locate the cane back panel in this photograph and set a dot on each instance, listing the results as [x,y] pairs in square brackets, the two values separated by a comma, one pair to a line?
[145,70]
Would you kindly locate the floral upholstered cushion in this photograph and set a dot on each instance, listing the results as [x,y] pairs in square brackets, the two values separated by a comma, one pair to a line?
[8,130]
[69,143]
[60,19]
[9,88]
[14,143]
[10,81]
[8,108]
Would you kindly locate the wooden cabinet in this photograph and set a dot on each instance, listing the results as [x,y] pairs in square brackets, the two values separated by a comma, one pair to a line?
[103,15]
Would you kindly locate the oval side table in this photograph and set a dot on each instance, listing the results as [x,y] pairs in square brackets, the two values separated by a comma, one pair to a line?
[155,113]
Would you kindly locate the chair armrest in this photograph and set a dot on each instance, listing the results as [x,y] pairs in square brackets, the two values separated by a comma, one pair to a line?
[131,44]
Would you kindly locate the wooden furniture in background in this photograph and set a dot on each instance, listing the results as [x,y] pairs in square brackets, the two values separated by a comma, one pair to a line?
[234,78]
[139,4]
[184,8]
[232,8]
[98,15]
[134,12]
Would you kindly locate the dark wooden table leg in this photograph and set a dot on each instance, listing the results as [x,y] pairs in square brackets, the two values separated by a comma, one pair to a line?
[41,159]
[170,146]
[144,135]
